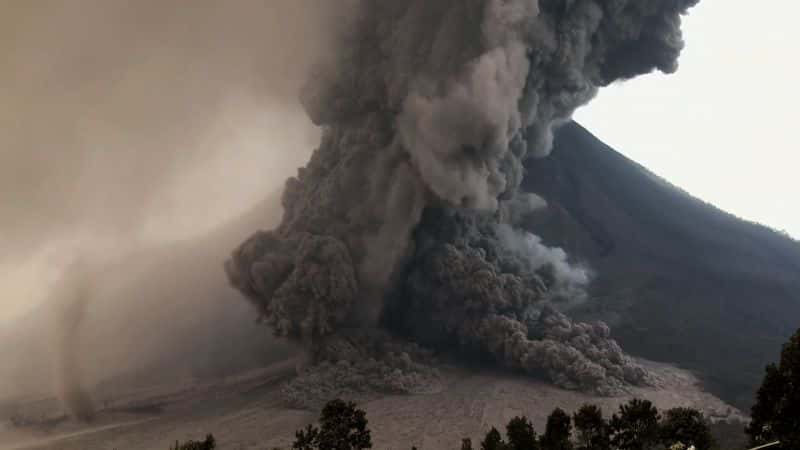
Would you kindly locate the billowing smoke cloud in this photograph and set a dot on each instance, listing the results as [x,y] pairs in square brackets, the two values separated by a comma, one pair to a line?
[467,288]
[434,106]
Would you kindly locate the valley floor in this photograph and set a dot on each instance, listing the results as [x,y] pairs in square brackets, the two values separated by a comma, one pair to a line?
[248,412]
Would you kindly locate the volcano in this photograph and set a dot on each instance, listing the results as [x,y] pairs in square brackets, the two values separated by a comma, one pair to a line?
[677,279]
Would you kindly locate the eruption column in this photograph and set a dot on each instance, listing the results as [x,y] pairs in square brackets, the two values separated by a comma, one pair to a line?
[429,110]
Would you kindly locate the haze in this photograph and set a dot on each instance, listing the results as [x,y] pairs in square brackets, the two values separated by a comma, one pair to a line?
[126,125]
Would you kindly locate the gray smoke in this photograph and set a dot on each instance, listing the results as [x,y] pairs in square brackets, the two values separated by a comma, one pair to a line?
[74,291]
[408,210]
[121,124]
[466,288]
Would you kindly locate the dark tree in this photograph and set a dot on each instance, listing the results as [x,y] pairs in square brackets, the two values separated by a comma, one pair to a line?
[592,429]
[466,444]
[306,439]
[342,427]
[766,410]
[208,444]
[521,435]
[557,431]
[776,413]
[687,426]
[493,441]
[636,426]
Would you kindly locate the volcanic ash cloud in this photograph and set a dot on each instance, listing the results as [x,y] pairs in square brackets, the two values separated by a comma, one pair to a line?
[408,214]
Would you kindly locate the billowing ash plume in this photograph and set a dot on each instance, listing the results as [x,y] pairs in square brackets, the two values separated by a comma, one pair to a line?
[466,286]
[408,209]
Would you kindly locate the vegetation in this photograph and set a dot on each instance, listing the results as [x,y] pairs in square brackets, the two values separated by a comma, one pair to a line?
[521,435]
[208,444]
[342,427]
[636,426]
[776,413]
[557,431]
[593,432]
[493,441]
[686,426]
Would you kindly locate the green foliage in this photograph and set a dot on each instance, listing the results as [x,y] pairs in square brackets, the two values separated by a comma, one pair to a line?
[686,426]
[593,432]
[557,431]
[342,427]
[493,441]
[208,444]
[521,435]
[466,444]
[776,413]
[636,426]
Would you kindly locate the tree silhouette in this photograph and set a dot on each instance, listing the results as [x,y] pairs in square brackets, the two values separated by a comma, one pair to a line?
[493,441]
[521,435]
[557,431]
[342,427]
[208,444]
[636,426]
[306,439]
[687,426]
[592,429]
[776,413]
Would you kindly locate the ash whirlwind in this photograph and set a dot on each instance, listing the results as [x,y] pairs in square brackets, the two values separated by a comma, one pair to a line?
[407,218]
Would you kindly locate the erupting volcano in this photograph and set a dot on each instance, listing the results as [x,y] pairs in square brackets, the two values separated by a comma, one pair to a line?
[404,229]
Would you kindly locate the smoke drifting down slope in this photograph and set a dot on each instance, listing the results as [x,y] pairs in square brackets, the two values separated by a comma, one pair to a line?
[406,216]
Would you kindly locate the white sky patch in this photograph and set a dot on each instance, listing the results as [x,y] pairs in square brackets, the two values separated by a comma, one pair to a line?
[724,127]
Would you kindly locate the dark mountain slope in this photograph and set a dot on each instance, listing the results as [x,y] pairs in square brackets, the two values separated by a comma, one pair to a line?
[681,280]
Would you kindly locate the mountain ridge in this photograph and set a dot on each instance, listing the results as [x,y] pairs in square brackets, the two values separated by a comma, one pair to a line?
[679,279]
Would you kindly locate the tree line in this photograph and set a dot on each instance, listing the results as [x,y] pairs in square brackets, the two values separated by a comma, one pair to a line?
[636,426]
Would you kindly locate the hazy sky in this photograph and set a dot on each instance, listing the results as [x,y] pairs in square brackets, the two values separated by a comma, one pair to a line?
[724,127]
[128,123]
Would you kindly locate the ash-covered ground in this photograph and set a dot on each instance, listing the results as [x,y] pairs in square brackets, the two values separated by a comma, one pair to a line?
[250,412]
